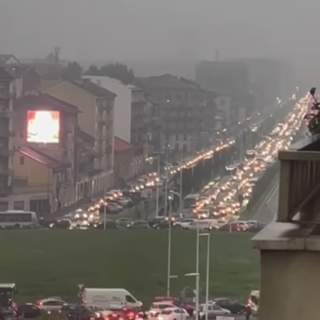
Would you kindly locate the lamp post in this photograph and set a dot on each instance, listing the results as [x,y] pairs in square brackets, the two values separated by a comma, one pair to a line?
[207,270]
[158,187]
[197,276]
[166,182]
[169,276]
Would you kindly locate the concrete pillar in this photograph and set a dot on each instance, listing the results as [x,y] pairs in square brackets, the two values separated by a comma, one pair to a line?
[290,273]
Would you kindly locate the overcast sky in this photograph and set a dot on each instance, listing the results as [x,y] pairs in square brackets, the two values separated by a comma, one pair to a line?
[162,29]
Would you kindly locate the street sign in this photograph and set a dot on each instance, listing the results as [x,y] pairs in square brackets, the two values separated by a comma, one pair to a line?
[80,286]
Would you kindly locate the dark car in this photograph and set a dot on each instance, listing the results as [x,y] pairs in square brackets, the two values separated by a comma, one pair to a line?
[110,224]
[139,224]
[158,223]
[62,224]
[80,313]
[234,306]
[28,311]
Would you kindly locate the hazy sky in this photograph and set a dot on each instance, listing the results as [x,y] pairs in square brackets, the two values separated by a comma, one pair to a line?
[161,29]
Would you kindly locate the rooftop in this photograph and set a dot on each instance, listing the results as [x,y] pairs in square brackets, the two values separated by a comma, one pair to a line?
[94,89]
[120,145]
[46,102]
[40,157]
[4,58]
[167,81]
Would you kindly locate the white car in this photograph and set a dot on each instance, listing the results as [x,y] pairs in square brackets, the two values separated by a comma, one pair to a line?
[183,223]
[50,304]
[158,307]
[203,225]
[173,314]
[213,310]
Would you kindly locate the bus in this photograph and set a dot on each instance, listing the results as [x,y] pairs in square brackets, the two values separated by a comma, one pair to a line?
[191,201]
[18,219]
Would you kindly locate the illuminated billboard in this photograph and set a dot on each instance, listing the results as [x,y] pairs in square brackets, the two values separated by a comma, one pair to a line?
[43,126]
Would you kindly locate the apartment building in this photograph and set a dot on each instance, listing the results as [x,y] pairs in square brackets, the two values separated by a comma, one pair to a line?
[44,140]
[184,111]
[129,117]
[96,106]
[5,133]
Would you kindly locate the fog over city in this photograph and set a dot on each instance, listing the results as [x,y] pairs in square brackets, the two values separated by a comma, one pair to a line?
[144,30]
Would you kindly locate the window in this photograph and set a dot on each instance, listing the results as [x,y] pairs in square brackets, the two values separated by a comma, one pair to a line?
[130,299]
[22,161]
[18,205]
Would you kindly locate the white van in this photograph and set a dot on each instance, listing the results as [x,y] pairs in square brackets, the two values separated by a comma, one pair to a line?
[109,298]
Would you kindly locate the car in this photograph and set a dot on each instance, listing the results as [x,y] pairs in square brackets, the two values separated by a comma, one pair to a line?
[173,313]
[157,307]
[184,223]
[139,224]
[123,222]
[110,224]
[203,225]
[81,312]
[50,304]
[234,306]
[213,310]
[28,311]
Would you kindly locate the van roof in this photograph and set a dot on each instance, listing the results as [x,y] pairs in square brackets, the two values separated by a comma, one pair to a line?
[105,289]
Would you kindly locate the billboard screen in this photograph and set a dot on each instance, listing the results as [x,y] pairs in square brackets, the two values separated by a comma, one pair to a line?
[43,126]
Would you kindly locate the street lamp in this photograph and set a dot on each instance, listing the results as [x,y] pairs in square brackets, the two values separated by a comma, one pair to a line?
[207,271]
[197,276]
[169,276]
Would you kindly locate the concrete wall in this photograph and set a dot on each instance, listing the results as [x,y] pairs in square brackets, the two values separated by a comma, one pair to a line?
[290,282]
[85,102]
[122,105]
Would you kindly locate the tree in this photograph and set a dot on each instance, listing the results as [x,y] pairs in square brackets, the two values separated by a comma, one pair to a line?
[72,71]
[93,71]
[118,71]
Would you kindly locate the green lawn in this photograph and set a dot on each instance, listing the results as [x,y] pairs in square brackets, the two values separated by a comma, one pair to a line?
[44,263]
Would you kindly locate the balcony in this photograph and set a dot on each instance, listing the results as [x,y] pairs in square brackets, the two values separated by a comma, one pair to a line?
[299,184]
[290,245]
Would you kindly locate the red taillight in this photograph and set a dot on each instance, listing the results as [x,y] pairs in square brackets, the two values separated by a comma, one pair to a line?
[39,303]
[131,314]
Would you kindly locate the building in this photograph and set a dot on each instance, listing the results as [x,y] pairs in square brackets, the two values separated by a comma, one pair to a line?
[8,59]
[6,94]
[44,137]
[230,81]
[184,111]
[129,117]
[96,106]
[123,162]
[290,245]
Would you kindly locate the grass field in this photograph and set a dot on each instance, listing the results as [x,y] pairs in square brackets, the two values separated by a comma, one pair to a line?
[44,263]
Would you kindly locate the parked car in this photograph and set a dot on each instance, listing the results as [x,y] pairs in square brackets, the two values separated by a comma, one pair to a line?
[123,223]
[110,224]
[139,224]
[28,311]
[213,311]
[234,306]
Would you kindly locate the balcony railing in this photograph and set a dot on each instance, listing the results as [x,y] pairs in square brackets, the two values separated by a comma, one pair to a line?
[299,185]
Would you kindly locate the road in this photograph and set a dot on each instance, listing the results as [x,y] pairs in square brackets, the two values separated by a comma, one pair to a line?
[266,213]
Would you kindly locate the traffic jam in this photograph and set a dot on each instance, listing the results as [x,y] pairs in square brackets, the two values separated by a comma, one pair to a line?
[116,304]
[219,204]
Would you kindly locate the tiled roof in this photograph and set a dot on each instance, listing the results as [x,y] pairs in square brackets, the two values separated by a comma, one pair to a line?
[45,101]
[120,145]
[5,75]
[167,81]
[40,157]
[94,89]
